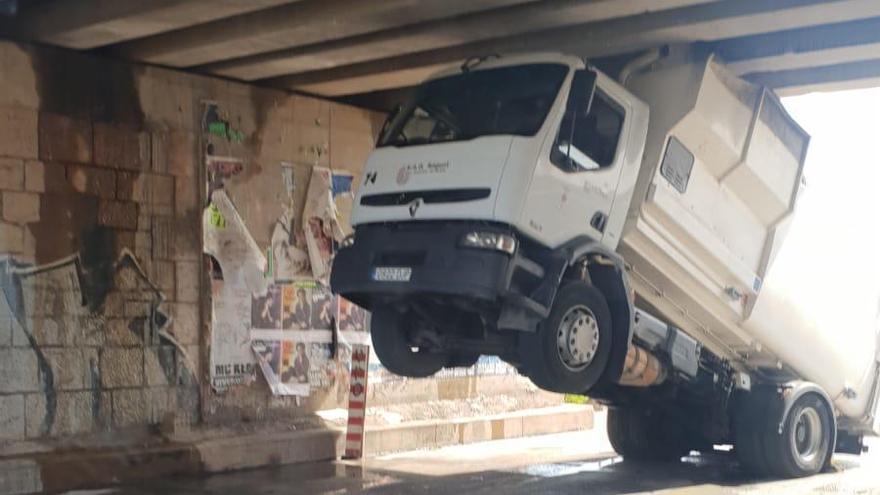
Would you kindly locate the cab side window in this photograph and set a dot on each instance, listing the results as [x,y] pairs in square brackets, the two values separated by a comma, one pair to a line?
[594,137]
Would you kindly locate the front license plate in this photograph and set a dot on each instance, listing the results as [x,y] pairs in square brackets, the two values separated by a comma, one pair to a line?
[392,273]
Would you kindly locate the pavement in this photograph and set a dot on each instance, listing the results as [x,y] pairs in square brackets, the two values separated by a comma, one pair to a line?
[26,469]
[565,463]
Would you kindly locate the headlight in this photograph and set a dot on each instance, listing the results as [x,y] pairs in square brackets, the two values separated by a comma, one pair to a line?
[490,240]
[347,242]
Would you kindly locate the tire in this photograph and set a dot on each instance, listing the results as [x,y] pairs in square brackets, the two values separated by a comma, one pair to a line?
[391,343]
[462,360]
[750,429]
[540,351]
[646,435]
[806,443]
[803,448]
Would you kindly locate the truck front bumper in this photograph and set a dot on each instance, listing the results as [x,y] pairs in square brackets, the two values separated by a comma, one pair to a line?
[431,254]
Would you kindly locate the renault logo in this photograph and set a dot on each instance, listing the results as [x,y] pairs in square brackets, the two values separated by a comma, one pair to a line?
[414,207]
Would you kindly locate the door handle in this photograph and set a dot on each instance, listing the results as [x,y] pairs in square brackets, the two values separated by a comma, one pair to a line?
[598,221]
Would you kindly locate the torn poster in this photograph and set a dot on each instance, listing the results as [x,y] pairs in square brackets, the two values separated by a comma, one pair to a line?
[223,167]
[289,179]
[343,200]
[220,168]
[319,220]
[326,216]
[288,251]
[352,321]
[237,274]
[288,255]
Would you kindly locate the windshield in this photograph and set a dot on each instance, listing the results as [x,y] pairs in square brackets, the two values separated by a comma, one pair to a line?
[508,100]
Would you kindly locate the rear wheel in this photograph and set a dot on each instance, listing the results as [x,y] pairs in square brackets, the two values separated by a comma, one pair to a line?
[750,427]
[570,349]
[806,443]
[390,332]
[801,447]
[646,435]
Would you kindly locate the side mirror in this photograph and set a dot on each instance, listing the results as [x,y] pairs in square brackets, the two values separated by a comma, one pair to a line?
[583,87]
[393,114]
[580,98]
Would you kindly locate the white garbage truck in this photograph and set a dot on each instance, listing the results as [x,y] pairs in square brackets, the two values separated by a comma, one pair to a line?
[614,238]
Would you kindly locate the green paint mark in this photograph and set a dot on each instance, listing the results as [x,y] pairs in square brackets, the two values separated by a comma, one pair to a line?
[217,129]
[216,218]
[224,130]
[270,264]
[235,136]
[576,399]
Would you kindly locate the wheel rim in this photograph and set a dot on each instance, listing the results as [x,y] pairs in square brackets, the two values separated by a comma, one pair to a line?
[577,338]
[806,438]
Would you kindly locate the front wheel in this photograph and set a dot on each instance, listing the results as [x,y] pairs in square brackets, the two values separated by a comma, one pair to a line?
[570,349]
[390,332]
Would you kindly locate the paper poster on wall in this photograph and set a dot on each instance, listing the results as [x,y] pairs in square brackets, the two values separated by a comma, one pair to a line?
[269,358]
[289,252]
[297,314]
[285,365]
[320,221]
[295,367]
[352,322]
[302,334]
[343,200]
[266,308]
[322,302]
[236,274]
[351,317]
[322,373]
[219,169]
[289,178]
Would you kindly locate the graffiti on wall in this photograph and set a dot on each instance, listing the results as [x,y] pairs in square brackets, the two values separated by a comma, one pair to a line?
[64,304]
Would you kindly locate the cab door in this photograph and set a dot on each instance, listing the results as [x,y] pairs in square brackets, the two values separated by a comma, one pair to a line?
[577,176]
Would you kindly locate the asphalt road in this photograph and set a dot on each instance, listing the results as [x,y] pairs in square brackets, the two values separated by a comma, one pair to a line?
[575,463]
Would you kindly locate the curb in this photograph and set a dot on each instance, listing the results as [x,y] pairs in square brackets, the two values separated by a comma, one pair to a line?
[55,472]
[441,433]
[269,449]
[415,390]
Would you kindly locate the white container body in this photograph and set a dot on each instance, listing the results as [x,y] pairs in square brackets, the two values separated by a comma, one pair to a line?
[706,242]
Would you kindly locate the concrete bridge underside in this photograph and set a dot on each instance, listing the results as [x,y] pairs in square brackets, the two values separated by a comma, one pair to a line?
[367,51]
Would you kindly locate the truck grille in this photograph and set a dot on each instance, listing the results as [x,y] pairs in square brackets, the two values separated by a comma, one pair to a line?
[428,196]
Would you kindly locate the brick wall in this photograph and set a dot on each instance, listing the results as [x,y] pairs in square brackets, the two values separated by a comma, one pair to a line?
[102,314]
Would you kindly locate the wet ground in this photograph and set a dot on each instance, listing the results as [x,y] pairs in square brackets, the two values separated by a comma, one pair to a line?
[573,463]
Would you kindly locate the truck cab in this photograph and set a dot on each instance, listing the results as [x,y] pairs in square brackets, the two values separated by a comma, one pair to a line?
[491,184]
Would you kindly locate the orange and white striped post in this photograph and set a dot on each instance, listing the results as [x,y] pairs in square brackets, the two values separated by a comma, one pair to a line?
[357,402]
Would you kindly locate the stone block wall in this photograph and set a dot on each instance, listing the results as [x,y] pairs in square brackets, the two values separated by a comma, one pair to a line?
[104,293]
